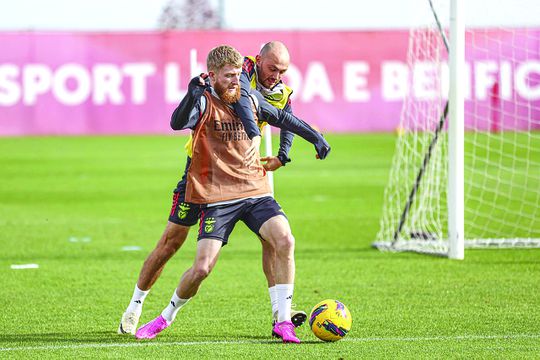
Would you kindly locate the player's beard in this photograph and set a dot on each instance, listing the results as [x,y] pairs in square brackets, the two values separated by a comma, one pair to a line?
[226,96]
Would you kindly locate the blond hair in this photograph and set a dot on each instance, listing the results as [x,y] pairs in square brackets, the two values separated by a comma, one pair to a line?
[223,55]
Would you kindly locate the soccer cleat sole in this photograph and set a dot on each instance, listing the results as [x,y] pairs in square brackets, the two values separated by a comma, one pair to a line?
[299,319]
[290,342]
[276,335]
[121,330]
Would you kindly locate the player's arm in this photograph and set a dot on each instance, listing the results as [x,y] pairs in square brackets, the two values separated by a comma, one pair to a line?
[287,121]
[182,117]
[272,163]
[286,138]
[244,110]
[243,107]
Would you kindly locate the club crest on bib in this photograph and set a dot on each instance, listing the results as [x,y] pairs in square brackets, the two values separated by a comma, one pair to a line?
[209,224]
[183,211]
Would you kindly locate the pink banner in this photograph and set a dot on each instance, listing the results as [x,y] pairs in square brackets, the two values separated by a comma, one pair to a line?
[127,83]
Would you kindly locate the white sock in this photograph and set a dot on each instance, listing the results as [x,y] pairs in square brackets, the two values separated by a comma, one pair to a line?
[273,299]
[284,300]
[169,313]
[137,300]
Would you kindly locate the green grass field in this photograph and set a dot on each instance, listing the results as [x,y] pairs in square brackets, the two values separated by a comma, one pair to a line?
[72,204]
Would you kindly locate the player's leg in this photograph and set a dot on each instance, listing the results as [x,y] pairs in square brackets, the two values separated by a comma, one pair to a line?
[207,255]
[266,219]
[298,317]
[181,217]
[276,230]
[268,263]
[205,260]
[216,225]
[172,239]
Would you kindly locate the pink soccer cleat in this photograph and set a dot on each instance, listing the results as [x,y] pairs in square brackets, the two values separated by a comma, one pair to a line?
[151,329]
[285,331]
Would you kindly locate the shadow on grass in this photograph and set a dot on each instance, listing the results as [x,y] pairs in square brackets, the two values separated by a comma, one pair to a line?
[108,337]
[62,338]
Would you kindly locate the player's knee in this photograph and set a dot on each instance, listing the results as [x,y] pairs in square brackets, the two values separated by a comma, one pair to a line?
[285,243]
[201,271]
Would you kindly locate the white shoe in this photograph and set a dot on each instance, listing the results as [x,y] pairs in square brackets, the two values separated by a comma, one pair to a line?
[128,324]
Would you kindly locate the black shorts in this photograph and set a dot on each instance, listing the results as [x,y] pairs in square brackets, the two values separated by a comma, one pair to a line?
[183,213]
[217,222]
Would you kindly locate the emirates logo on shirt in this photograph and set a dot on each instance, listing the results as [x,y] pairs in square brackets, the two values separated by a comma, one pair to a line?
[230,130]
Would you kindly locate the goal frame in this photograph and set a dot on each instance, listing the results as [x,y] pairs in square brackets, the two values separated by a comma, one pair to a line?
[456,126]
[433,218]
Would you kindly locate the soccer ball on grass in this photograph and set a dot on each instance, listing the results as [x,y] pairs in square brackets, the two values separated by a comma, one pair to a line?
[330,320]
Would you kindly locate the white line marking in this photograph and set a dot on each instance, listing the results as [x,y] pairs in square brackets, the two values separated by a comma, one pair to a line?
[24,266]
[75,239]
[131,248]
[241,342]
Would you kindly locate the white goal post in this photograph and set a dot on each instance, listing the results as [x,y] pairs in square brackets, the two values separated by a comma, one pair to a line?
[456,104]
[466,169]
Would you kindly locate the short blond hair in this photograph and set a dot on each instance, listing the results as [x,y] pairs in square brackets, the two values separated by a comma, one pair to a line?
[223,55]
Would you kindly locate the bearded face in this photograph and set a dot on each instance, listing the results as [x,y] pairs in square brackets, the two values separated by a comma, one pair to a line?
[226,83]
[228,94]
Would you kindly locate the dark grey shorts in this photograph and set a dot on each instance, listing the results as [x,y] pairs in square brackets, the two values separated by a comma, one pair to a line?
[217,222]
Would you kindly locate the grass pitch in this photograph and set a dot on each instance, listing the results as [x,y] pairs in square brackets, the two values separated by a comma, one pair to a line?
[75,206]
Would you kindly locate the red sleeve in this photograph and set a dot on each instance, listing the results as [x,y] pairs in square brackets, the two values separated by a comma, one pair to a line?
[248,67]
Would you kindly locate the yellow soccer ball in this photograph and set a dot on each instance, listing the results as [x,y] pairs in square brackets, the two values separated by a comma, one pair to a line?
[330,320]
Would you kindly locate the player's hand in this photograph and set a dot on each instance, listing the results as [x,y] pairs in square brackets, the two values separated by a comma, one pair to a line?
[250,156]
[197,82]
[322,147]
[271,163]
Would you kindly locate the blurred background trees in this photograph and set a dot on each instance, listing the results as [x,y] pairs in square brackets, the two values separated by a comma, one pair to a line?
[191,15]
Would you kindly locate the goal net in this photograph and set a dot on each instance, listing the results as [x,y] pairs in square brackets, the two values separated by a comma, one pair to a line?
[501,159]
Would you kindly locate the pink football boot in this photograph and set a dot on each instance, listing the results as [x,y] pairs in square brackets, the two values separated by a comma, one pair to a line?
[151,329]
[285,330]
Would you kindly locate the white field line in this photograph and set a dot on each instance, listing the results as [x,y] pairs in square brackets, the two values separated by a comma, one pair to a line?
[24,266]
[242,342]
